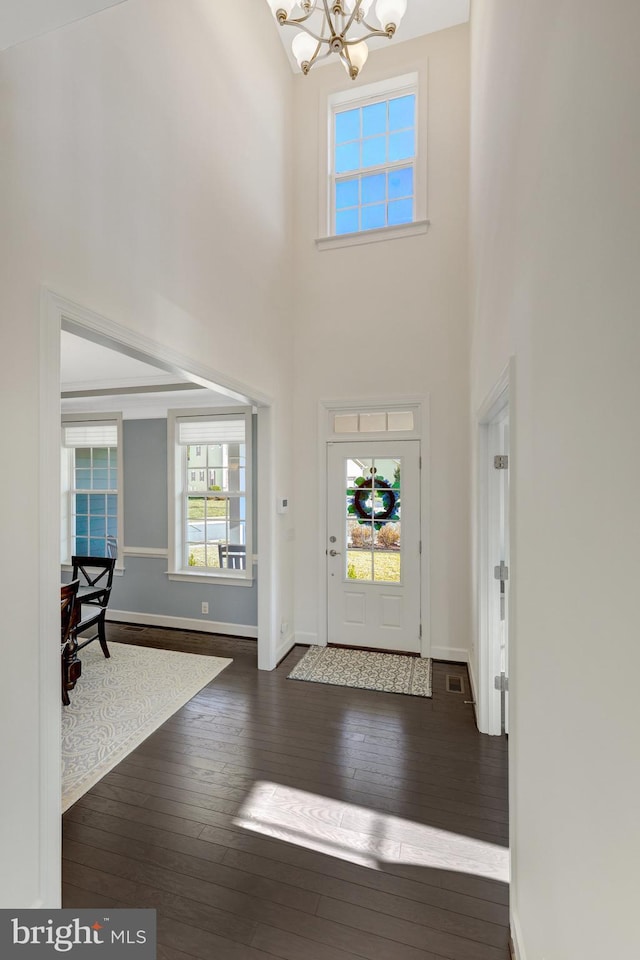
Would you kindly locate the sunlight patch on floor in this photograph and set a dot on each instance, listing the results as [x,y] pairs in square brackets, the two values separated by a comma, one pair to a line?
[363,836]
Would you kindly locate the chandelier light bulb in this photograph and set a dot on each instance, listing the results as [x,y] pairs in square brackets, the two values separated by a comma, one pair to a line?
[358,54]
[304,48]
[286,6]
[390,13]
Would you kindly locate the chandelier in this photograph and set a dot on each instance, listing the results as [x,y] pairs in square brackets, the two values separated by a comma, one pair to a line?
[328,26]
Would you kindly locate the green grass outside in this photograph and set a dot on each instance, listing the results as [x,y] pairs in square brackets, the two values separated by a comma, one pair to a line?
[197,552]
[216,509]
[387,565]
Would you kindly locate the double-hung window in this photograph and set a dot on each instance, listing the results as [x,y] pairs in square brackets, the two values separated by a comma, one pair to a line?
[91,487]
[210,521]
[373,158]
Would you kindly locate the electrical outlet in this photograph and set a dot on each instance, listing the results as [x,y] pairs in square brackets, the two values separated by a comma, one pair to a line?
[205,607]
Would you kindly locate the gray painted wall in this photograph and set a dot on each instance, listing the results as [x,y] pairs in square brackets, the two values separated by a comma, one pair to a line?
[145,483]
[144,588]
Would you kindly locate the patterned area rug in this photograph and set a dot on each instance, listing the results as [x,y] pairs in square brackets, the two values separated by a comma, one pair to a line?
[388,672]
[118,703]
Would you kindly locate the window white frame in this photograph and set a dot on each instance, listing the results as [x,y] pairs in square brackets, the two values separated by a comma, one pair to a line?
[67,465]
[410,83]
[176,475]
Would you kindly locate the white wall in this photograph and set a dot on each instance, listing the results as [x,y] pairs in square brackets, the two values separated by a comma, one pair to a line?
[389,319]
[146,174]
[555,252]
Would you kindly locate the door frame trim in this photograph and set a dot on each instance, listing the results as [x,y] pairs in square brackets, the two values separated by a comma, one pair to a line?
[422,434]
[59,313]
[488,699]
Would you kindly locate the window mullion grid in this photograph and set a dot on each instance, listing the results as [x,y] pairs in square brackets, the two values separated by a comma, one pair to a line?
[384,168]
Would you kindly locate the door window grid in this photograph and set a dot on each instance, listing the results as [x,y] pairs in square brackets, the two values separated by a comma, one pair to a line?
[373,521]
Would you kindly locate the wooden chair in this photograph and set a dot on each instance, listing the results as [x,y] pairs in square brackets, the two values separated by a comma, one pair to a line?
[71,667]
[96,576]
[233,556]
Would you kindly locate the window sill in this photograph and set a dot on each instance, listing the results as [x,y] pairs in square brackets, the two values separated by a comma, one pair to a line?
[414,229]
[224,579]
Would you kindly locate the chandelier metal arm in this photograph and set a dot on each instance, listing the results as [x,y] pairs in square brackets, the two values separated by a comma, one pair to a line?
[315,55]
[331,22]
[300,24]
[366,36]
[354,15]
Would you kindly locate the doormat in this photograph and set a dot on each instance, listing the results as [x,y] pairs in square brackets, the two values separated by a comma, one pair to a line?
[118,703]
[387,672]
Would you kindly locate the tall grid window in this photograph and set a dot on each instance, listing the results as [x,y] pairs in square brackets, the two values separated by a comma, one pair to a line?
[92,490]
[213,457]
[374,164]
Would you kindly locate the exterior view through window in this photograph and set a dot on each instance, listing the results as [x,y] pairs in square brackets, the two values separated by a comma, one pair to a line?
[374,154]
[214,467]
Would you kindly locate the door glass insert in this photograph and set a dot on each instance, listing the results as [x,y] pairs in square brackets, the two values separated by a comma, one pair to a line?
[373,526]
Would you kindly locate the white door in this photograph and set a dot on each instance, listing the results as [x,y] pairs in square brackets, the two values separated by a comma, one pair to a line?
[373,544]
[499,546]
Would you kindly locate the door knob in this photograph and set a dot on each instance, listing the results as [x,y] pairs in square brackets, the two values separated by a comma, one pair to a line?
[334,553]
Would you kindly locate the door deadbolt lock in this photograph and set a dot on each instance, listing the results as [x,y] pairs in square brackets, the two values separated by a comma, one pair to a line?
[332,539]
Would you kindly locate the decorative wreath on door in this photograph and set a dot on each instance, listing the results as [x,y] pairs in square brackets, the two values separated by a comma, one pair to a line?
[360,501]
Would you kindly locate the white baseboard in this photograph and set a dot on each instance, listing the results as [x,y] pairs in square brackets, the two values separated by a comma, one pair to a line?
[516,937]
[457,654]
[308,639]
[183,623]
[285,645]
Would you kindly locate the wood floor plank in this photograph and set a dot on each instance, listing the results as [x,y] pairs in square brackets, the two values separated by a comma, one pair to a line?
[404,931]
[277,819]
[226,887]
[443,910]
[290,946]
[228,785]
[199,943]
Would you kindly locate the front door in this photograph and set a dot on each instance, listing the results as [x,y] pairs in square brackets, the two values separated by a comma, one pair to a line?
[373,547]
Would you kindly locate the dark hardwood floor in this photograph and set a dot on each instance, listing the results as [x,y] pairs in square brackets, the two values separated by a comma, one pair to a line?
[274,818]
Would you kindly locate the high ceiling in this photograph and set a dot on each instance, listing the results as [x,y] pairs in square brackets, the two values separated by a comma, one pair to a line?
[95,379]
[422,16]
[24,19]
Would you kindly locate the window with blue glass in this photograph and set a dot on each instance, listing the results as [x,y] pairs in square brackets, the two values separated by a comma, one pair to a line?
[374,160]
[95,500]
[91,465]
